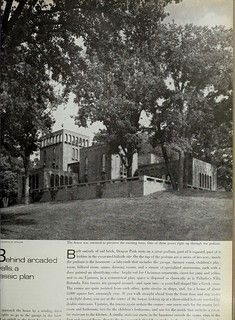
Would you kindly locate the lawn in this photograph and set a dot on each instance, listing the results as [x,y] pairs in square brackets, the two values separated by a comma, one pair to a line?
[169,215]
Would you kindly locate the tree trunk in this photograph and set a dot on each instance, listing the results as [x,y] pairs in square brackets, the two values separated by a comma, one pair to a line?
[129,163]
[129,171]
[181,171]
[26,185]
[5,201]
[166,160]
[186,171]
[26,189]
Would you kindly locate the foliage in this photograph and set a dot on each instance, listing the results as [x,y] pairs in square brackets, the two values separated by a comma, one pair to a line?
[117,82]
[193,113]
[40,44]
[9,169]
[113,99]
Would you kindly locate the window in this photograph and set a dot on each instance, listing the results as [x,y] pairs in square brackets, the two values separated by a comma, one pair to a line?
[51,140]
[86,165]
[61,180]
[73,140]
[57,180]
[210,183]
[76,154]
[80,142]
[60,137]
[66,137]
[70,138]
[200,179]
[103,162]
[66,180]
[73,154]
[87,143]
[52,181]
[44,158]
[84,142]
[70,180]
[76,141]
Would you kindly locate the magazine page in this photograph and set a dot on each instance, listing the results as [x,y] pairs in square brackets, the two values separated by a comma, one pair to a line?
[116,160]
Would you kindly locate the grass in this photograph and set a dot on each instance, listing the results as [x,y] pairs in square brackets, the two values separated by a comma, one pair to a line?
[191,215]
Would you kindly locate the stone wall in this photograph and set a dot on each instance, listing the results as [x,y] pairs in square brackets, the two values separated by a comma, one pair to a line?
[133,187]
[96,163]
[204,175]
[96,168]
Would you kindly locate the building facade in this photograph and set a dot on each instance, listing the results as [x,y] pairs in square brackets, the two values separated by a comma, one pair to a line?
[66,159]
[97,163]
[59,162]
[61,148]
[197,173]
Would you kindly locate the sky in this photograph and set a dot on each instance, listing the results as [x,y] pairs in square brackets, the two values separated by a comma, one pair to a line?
[199,12]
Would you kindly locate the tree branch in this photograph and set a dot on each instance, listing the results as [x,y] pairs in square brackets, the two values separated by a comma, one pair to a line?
[16,14]
[6,15]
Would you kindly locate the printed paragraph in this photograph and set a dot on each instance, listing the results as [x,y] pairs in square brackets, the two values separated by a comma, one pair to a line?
[136,282]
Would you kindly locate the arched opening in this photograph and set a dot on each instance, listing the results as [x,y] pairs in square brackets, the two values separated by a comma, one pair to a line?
[61,180]
[57,180]
[70,180]
[86,165]
[86,170]
[44,158]
[52,180]
[66,180]
[103,162]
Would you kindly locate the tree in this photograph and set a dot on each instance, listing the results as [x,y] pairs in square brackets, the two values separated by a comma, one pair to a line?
[216,138]
[10,167]
[21,139]
[39,48]
[196,65]
[116,84]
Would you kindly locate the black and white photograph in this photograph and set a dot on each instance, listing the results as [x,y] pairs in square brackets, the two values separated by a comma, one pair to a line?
[116,120]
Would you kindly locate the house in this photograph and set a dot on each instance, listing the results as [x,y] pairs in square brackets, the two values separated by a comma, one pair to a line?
[67,159]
